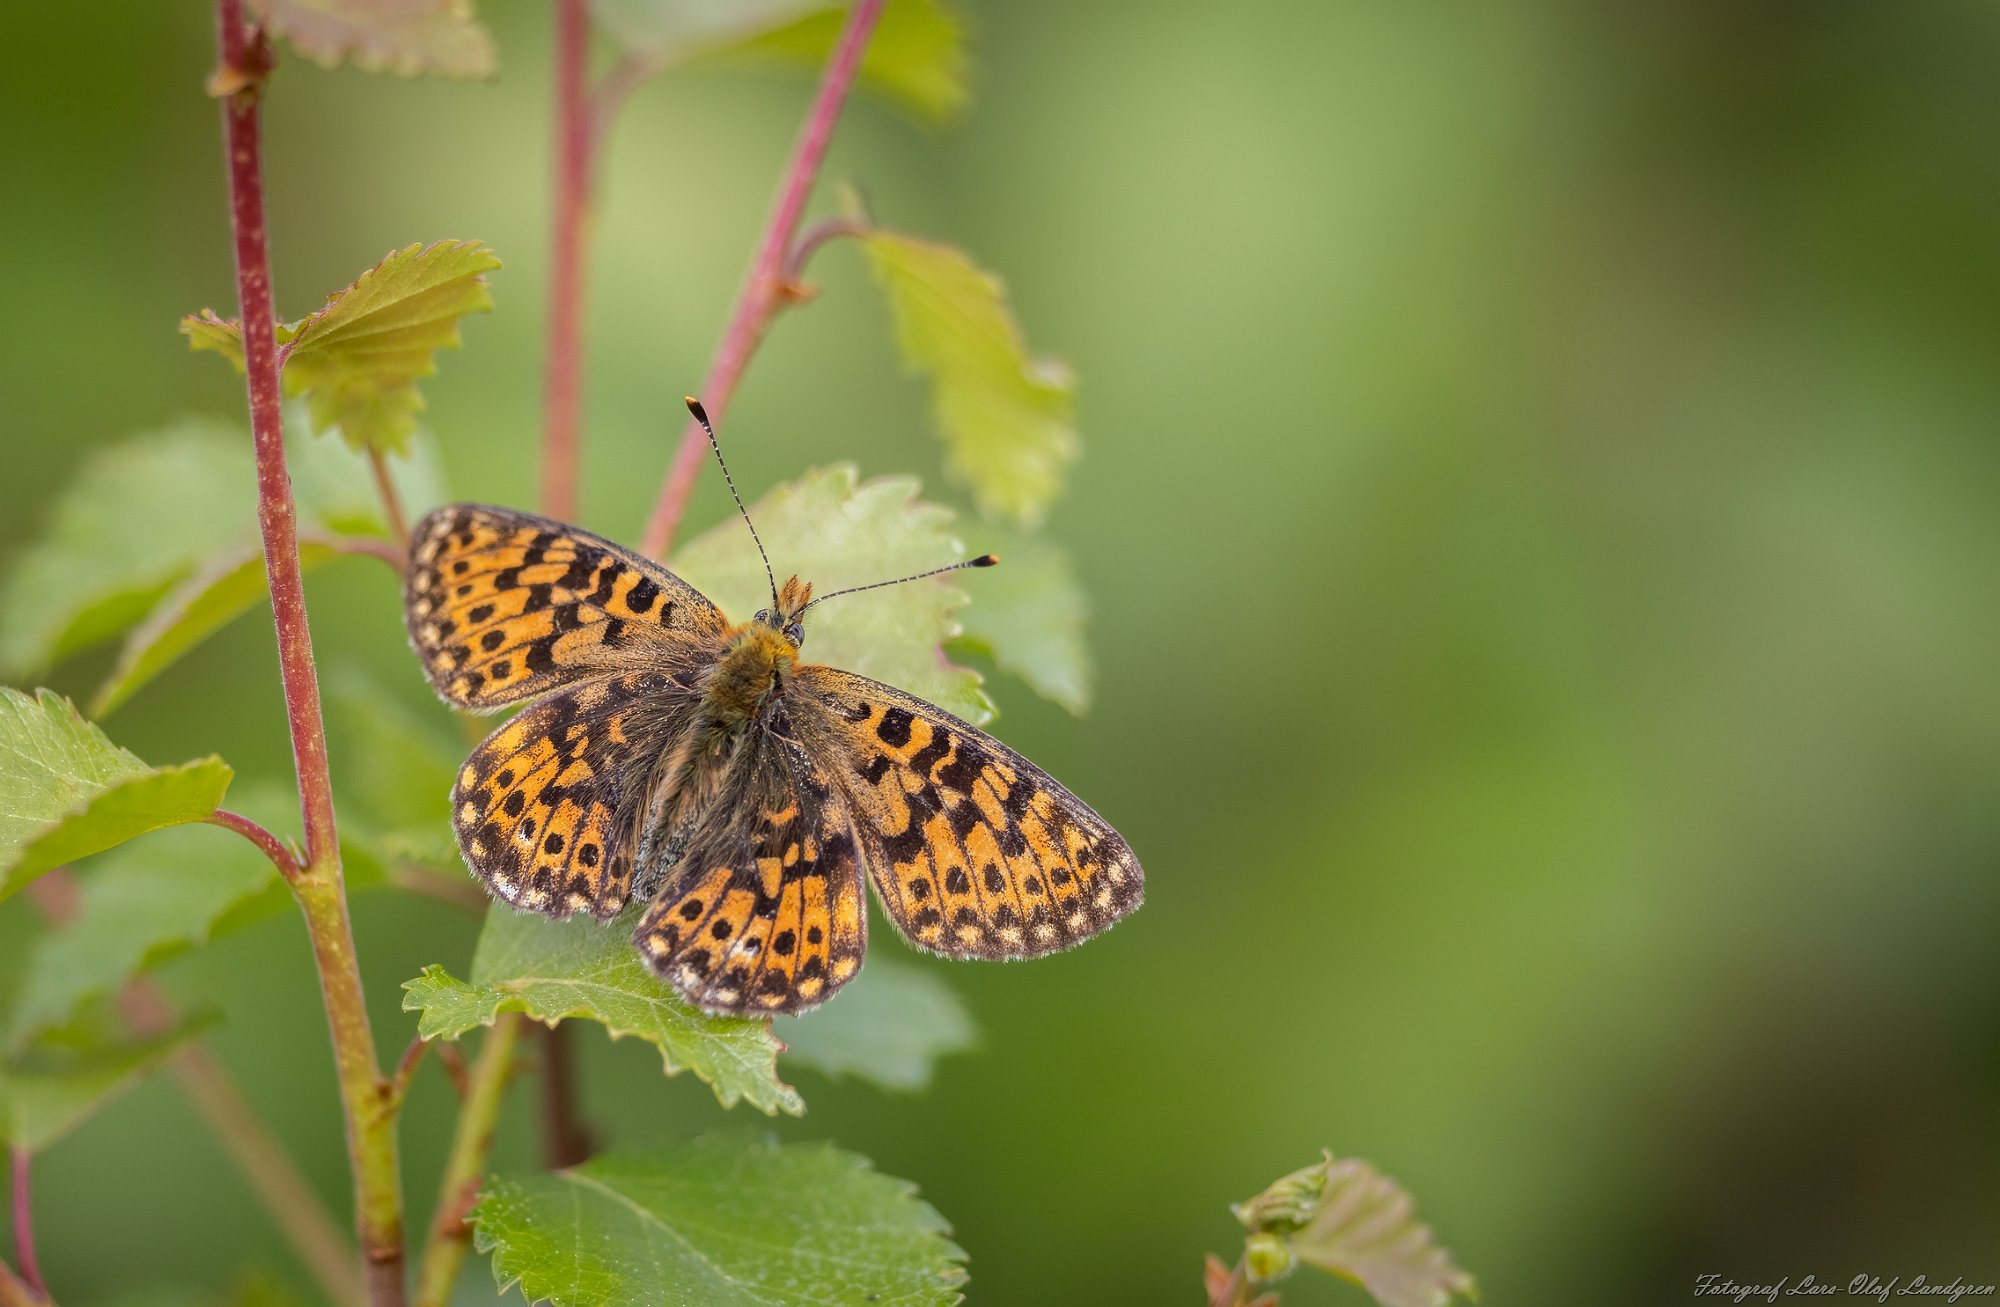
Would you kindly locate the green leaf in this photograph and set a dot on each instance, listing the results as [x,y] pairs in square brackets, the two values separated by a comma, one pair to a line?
[334,489]
[1347,1218]
[838,531]
[723,1221]
[891,1025]
[136,907]
[1027,615]
[1006,418]
[398,36]
[194,610]
[357,360]
[71,792]
[138,519]
[144,519]
[49,1089]
[916,56]
[585,968]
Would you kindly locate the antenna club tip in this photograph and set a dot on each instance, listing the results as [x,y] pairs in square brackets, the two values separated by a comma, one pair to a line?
[985,560]
[694,407]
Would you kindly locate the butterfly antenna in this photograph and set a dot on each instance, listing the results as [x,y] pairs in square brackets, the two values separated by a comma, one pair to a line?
[984,560]
[701,416]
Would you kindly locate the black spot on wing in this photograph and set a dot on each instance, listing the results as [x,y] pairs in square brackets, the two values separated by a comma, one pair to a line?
[894,728]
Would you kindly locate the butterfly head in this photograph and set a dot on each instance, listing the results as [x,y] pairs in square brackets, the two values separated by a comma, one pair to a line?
[794,597]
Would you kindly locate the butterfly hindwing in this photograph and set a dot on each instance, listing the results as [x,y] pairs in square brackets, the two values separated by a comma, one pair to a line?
[502,606]
[764,912]
[975,851]
[545,806]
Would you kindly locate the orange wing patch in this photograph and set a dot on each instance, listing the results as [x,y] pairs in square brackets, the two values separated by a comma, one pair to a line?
[544,807]
[975,851]
[502,606]
[765,913]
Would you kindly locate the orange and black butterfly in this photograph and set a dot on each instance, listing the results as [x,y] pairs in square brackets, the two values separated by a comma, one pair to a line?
[674,759]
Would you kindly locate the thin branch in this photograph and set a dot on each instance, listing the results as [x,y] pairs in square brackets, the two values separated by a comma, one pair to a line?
[562,412]
[453,1063]
[269,844]
[392,501]
[764,290]
[809,244]
[472,1140]
[566,1140]
[406,1069]
[314,1234]
[460,893]
[632,71]
[257,1152]
[395,555]
[24,1222]
[371,1137]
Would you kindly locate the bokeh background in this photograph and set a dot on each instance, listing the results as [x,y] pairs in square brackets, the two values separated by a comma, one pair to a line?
[1541,508]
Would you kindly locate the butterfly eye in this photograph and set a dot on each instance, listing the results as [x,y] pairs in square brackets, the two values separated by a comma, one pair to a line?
[763,615]
[796,633]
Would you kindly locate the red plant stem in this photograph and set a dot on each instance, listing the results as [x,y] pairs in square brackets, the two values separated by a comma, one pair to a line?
[271,846]
[276,514]
[764,292]
[368,1114]
[24,1223]
[562,412]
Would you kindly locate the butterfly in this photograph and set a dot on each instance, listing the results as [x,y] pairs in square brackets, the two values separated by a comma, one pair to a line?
[670,758]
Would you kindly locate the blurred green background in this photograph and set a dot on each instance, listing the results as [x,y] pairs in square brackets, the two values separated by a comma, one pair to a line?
[1541,509]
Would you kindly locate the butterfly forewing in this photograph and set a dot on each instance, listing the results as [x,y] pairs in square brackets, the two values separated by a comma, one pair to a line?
[975,851]
[502,606]
[764,912]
